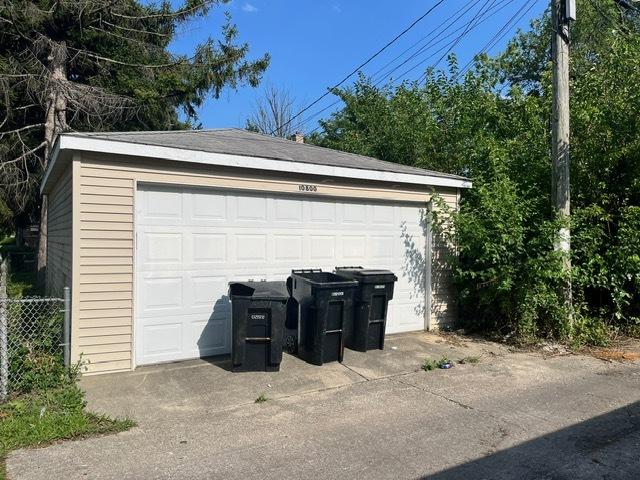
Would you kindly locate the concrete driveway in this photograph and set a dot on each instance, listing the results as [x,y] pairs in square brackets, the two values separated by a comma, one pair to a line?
[376,416]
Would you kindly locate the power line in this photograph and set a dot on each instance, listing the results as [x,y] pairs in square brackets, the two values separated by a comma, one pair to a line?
[428,36]
[449,46]
[473,23]
[487,14]
[466,30]
[366,62]
[432,33]
[476,20]
[499,35]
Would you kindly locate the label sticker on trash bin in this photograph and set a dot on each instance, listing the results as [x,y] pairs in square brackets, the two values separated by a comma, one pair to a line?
[379,286]
[337,294]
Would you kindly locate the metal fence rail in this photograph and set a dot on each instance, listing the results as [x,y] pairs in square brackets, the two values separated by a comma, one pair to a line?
[34,341]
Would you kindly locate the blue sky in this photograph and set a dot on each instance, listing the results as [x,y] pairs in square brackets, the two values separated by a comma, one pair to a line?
[314,44]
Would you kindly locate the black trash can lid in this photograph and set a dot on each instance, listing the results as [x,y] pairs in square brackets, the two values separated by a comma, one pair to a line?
[321,279]
[368,275]
[259,290]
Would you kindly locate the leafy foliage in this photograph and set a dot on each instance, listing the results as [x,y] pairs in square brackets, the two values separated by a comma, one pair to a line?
[493,126]
[102,65]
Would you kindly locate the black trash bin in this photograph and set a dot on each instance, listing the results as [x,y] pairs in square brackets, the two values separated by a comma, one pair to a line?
[325,306]
[258,311]
[291,322]
[370,309]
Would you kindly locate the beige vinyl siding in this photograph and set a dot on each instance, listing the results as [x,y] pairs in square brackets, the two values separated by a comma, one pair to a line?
[59,235]
[105,270]
[105,235]
[444,311]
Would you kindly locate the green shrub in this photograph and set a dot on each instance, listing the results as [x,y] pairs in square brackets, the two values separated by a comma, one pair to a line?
[429,364]
[590,331]
[262,398]
[35,356]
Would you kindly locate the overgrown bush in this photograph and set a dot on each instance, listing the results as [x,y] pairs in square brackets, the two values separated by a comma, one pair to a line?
[607,264]
[507,274]
[491,124]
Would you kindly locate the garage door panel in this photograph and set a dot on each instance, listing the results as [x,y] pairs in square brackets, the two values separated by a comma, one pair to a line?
[162,341]
[380,247]
[163,204]
[209,336]
[209,248]
[205,208]
[185,260]
[288,247]
[353,213]
[406,316]
[382,215]
[161,295]
[205,288]
[354,247]
[161,247]
[322,247]
[251,248]
[251,209]
[322,212]
[287,210]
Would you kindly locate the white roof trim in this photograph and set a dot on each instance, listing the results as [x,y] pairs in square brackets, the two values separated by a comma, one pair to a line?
[69,142]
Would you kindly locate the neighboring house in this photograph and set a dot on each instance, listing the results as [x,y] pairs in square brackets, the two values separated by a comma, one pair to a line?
[148,228]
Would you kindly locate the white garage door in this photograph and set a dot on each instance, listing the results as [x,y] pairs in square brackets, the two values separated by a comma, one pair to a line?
[192,242]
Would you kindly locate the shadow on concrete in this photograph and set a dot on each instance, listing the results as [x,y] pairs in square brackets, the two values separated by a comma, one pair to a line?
[604,447]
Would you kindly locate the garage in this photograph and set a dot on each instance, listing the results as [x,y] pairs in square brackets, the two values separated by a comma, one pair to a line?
[163,221]
[193,242]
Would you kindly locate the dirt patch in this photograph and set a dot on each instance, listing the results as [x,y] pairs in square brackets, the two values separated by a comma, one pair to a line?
[614,355]
[621,349]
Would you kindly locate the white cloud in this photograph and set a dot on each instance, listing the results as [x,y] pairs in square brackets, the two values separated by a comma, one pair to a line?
[247,7]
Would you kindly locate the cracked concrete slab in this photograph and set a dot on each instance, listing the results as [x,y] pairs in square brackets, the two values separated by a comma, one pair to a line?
[513,416]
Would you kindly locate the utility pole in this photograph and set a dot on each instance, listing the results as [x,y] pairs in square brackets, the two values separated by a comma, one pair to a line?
[562,12]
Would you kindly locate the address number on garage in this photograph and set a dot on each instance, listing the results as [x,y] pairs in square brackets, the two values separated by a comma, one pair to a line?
[305,187]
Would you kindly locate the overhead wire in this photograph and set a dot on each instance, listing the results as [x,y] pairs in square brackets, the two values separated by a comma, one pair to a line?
[480,17]
[365,63]
[487,10]
[499,35]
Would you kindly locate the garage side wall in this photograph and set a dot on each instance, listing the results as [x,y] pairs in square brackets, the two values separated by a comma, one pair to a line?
[444,311]
[59,235]
[105,234]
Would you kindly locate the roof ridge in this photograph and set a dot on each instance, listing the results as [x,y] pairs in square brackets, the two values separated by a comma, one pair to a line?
[342,152]
[149,132]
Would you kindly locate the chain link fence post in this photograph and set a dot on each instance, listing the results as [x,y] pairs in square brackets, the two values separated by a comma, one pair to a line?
[4,342]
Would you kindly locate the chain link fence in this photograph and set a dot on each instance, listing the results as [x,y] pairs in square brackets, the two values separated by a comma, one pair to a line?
[34,340]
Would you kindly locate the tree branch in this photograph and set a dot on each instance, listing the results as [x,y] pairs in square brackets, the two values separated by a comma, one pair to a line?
[21,129]
[205,4]
[135,30]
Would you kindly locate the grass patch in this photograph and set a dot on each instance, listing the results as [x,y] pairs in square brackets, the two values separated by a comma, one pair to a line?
[42,418]
[22,284]
[469,359]
[431,364]
[262,398]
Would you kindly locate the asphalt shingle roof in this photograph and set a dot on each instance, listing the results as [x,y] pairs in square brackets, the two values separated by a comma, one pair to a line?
[236,141]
